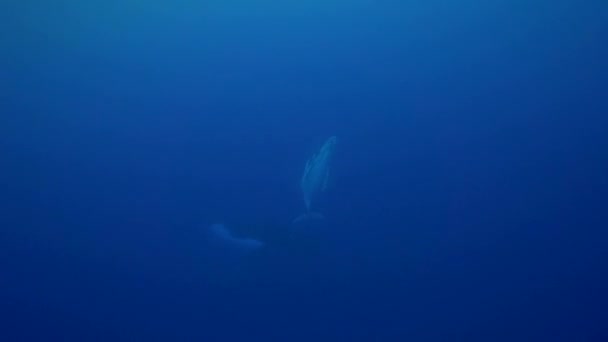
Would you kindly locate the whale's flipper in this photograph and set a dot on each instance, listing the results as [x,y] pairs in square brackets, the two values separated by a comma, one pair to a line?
[221,236]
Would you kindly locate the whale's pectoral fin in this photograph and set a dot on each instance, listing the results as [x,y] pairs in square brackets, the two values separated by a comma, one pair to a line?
[221,236]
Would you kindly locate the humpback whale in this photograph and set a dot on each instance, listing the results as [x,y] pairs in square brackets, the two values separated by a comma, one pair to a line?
[315,178]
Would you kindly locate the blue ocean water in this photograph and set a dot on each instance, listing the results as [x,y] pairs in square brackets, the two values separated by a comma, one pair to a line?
[466,199]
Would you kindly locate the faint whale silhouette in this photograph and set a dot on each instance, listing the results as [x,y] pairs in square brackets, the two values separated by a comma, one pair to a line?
[315,178]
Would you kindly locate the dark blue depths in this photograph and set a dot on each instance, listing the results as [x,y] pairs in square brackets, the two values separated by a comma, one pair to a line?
[467,199]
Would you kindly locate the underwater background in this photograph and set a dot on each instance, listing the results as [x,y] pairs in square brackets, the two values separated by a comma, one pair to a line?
[466,199]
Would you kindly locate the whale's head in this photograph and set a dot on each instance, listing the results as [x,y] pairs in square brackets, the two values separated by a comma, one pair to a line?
[330,144]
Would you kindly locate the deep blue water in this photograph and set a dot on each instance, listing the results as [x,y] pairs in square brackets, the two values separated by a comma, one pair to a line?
[467,197]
